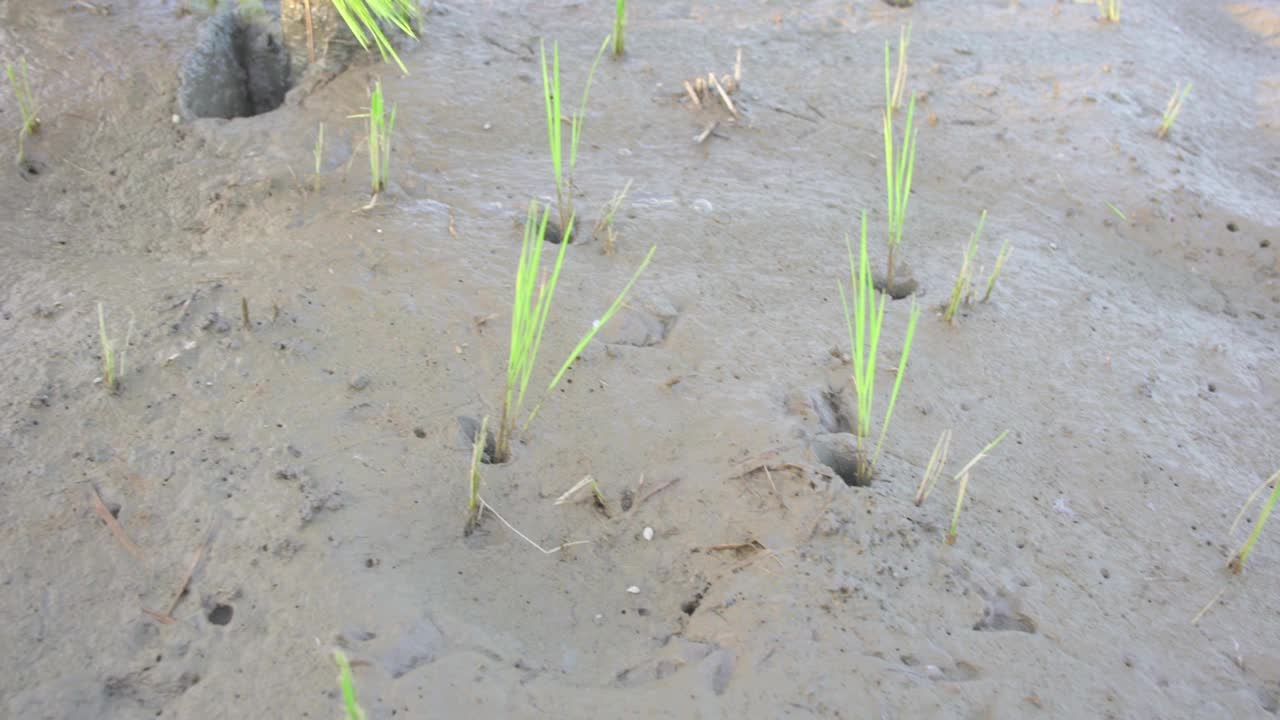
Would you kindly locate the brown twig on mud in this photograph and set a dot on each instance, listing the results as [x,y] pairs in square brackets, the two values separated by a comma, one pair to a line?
[1207,606]
[751,545]
[453,229]
[706,132]
[655,490]
[166,617]
[311,41]
[113,525]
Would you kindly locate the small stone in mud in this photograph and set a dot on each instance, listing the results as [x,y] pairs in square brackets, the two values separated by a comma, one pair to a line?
[468,428]
[216,323]
[222,436]
[44,312]
[628,499]
[359,382]
[289,472]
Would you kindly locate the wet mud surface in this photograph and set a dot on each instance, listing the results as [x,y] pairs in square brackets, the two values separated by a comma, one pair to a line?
[306,469]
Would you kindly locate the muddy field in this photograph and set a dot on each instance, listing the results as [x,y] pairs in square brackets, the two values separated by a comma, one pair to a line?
[309,467]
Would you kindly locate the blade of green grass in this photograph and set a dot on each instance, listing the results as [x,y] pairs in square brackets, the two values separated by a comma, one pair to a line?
[347,683]
[963,478]
[1001,258]
[1237,561]
[1172,110]
[362,17]
[595,328]
[899,166]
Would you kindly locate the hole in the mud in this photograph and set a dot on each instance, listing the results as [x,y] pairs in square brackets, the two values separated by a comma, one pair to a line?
[238,68]
[690,606]
[468,428]
[839,451]
[1232,227]
[220,614]
[555,235]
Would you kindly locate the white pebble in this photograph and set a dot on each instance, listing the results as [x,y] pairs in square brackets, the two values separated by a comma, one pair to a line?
[648,533]
[633,590]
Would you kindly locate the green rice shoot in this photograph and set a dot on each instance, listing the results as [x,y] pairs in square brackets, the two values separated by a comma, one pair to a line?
[619,26]
[963,477]
[864,318]
[112,359]
[1172,110]
[381,125]
[363,18]
[1237,561]
[26,104]
[1110,10]
[318,153]
[933,471]
[899,165]
[473,476]
[1001,258]
[530,309]
[900,77]
[562,171]
[1119,213]
[347,683]
[960,291]
[605,225]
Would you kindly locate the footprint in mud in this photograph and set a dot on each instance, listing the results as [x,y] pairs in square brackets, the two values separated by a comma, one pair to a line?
[1002,616]
[641,324]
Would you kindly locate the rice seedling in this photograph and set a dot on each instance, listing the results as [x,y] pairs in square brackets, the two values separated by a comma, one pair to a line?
[1002,257]
[530,309]
[112,359]
[619,26]
[363,17]
[26,104]
[900,78]
[562,171]
[899,164]
[318,153]
[1172,109]
[963,478]
[597,495]
[1110,10]
[347,683]
[605,225]
[381,124]
[474,505]
[1237,561]
[1119,213]
[933,471]
[964,279]
[863,320]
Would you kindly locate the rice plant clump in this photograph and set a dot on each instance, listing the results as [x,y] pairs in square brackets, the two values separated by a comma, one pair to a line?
[864,318]
[473,477]
[619,26]
[1110,10]
[561,167]
[363,18]
[1172,109]
[381,125]
[1237,561]
[964,279]
[26,104]
[605,225]
[963,478]
[529,312]
[112,359]
[899,165]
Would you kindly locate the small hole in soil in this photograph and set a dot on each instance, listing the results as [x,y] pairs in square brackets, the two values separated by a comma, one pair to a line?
[419,433]
[238,68]
[1232,227]
[690,606]
[220,614]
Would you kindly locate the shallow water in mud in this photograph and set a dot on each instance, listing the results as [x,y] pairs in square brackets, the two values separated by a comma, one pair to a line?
[312,462]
